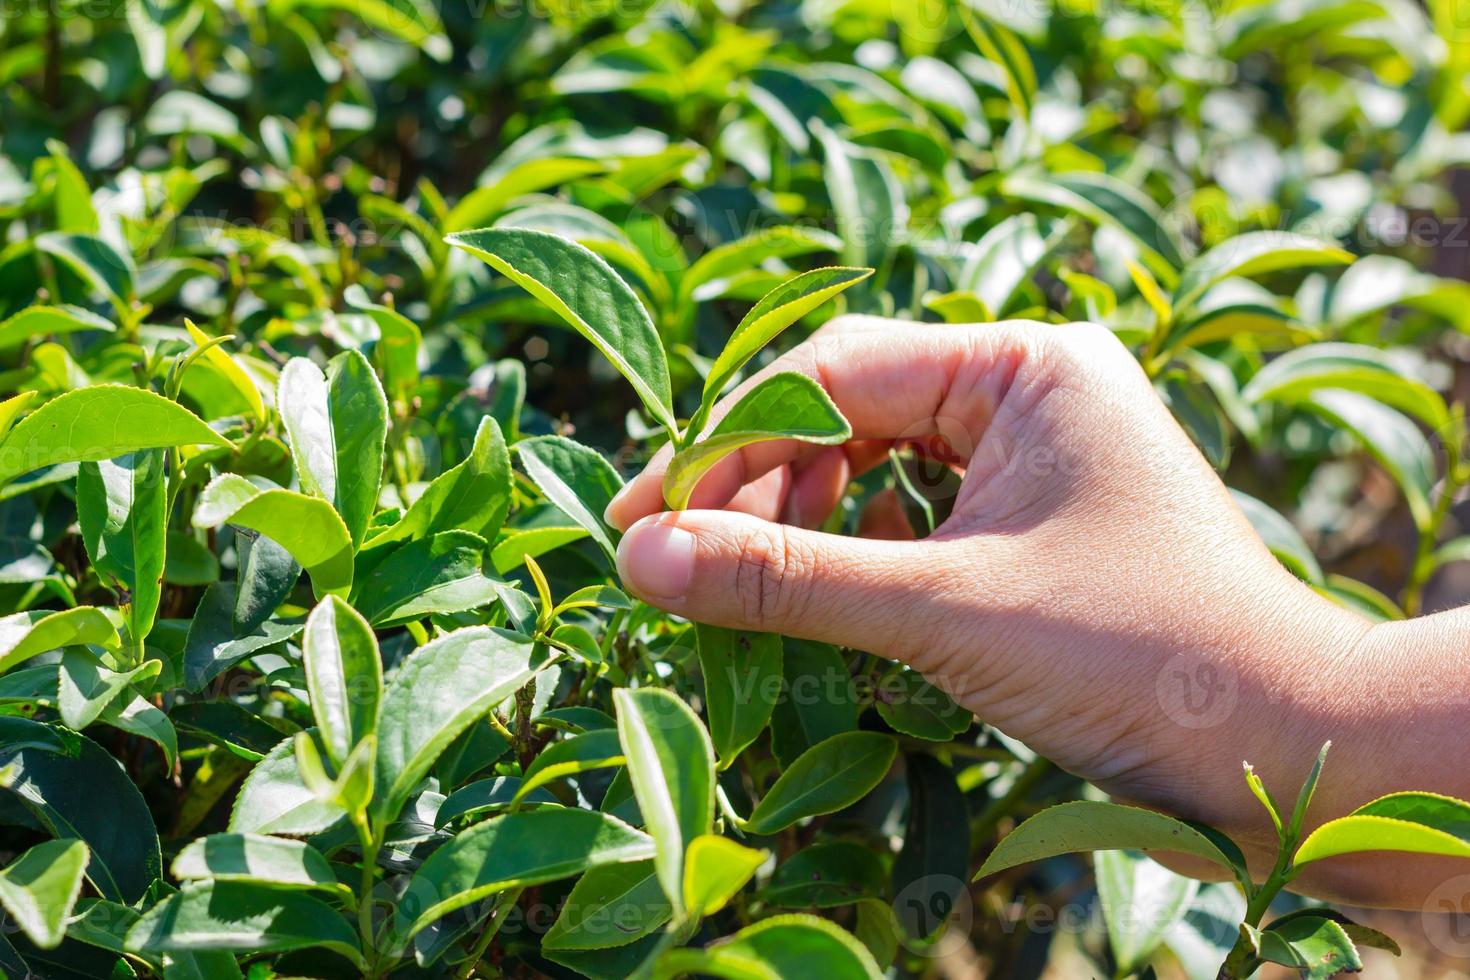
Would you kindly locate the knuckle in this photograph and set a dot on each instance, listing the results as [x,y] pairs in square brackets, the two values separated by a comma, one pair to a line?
[769,576]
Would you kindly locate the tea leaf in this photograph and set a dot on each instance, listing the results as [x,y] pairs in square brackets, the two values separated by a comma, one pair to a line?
[26,634]
[1351,367]
[585,292]
[97,423]
[44,321]
[929,871]
[255,858]
[611,905]
[512,851]
[1316,946]
[784,406]
[122,512]
[344,675]
[1252,254]
[832,774]
[742,681]
[472,496]
[243,917]
[590,750]
[672,769]
[1090,825]
[438,574]
[307,527]
[275,800]
[358,411]
[438,692]
[39,888]
[776,311]
[781,946]
[576,480]
[715,868]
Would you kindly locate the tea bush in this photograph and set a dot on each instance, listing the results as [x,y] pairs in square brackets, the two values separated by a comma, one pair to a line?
[313,315]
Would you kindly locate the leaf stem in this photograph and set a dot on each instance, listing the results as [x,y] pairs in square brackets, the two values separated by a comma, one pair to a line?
[497,919]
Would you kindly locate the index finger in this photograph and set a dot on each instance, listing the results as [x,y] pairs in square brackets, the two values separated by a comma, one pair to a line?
[892,380]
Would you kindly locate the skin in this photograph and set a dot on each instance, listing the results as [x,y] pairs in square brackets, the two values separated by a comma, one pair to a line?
[1094,587]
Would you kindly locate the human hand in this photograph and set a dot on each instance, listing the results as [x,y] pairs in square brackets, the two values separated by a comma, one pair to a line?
[1092,562]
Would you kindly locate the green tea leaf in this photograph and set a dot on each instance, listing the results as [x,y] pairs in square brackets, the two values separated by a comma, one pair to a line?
[1296,375]
[358,411]
[707,274]
[742,681]
[818,699]
[590,750]
[1006,257]
[1103,200]
[1253,254]
[781,946]
[473,496]
[61,791]
[911,705]
[86,687]
[255,858]
[344,675]
[784,406]
[1090,825]
[307,527]
[437,574]
[45,321]
[39,888]
[672,768]
[242,917]
[1316,946]
[611,905]
[438,692]
[776,311]
[1141,901]
[303,403]
[275,800]
[26,634]
[216,357]
[512,851]
[715,868]
[122,511]
[97,423]
[826,875]
[831,775]
[578,481]
[1421,823]
[585,292]
[929,871]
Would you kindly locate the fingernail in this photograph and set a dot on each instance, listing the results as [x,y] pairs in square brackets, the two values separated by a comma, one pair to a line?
[657,560]
[612,505]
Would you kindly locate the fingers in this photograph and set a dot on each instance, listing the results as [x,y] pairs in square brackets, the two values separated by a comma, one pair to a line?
[730,569]
[892,381]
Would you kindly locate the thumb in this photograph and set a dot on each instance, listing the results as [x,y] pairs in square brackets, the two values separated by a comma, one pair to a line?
[731,569]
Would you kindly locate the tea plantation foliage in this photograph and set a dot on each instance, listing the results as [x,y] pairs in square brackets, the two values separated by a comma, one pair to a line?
[329,327]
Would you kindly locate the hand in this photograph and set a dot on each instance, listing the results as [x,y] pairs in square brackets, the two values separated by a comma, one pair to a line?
[1092,569]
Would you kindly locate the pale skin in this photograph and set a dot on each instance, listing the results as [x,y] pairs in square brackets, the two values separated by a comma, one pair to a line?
[1091,549]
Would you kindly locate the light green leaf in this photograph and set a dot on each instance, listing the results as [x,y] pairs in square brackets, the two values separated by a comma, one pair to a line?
[706,276]
[1103,200]
[611,905]
[26,634]
[274,799]
[1253,254]
[591,750]
[781,946]
[86,687]
[254,857]
[226,365]
[867,199]
[1006,257]
[1316,946]
[715,868]
[672,768]
[783,406]
[39,888]
[437,574]
[473,496]
[399,340]
[584,291]
[1141,901]
[1091,825]
[1420,823]
[742,682]
[97,423]
[243,917]
[1352,367]
[44,321]
[122,512]
[511,851]
[776,311]
[438,692]
[1284,540]
[577,481]
[301,400]
[344,675]
[481,206]
[832,774]
[307,527]
[1390,438]
[358,411]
